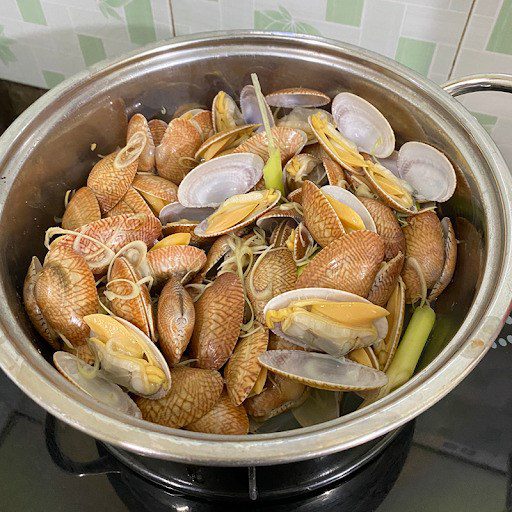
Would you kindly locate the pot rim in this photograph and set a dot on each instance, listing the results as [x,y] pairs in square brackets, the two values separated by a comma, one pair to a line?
[38,379]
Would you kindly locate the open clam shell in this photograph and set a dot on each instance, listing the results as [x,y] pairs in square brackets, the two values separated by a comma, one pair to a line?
[202,120]
[322,371]
[129,371]
[274,217]
[251,110]
[298,119]
[193,393]
[365,356]
[304,337]
[97,387]
[428,171]
[225,113]
[176,212]
[81,209]
[297,97]
[289,141]
[224,142]
[386,348]
[362,123]
[212,182]
[303,167]
[303,243]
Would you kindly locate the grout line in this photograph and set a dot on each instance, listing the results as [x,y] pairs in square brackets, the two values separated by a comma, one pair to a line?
[459,45]
[172,19]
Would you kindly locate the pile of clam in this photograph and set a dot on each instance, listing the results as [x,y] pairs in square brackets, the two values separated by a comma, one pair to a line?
[180,288]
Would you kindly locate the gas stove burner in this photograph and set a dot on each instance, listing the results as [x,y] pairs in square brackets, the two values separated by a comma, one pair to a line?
[354,480]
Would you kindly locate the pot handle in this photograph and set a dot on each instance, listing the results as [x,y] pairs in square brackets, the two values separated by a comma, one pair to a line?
[483,82]
[101,466]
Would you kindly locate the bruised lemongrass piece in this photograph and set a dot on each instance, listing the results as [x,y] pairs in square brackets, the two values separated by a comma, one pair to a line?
[128,357]
[237,211]
[339,149]
[272,172]
[322,370]
[96,386]
[362,123]
[332,321]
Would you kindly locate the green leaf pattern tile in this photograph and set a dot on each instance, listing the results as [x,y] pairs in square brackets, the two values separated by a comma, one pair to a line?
[281,20]
[6,54]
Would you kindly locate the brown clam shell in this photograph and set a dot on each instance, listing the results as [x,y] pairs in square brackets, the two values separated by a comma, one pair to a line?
[335,173]
[219,315]
[385,280]
[193,393]
[275,342]
[179,261]
[349,264]
[175,320]
[109,183]
[138,123]
[202,120]
[81,209]
[175,153]
[243,368]
[295,196]
[273,273]
[33,310]
[132,202]
[387,227]
[319,216]
[157,191]
[297,96]
[223,136]
[289,141]
[274,217]
[157,128]
[282,232]
[224,418]
[184,227]
[65,292]
[450,250]
[113,233]
[425,243]
[217,251]
[302,242]
[137,311]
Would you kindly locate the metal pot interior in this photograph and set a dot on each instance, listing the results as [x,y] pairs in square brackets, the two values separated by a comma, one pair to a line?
[51,151]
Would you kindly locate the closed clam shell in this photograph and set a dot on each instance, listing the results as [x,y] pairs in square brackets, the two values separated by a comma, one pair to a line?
[97,387]
[179,261]
[297,97]
[450,251]
[193,393]
[289,141]
[81,209]
[386,279]
[387,227]
[224,418]
[319,216]
[174,156]
[273,273]
[322,371]
[214,181]
[138,123]
[362,123]
[175,320]
[386,348]
[202,120]
[136,310]
[219,315]
[350,263]
[33,310]
[111,234]
[65,292]
[157,191]
[243,368]
[425,244]
[226,140]
[132,202]
[157,128]
[285,299]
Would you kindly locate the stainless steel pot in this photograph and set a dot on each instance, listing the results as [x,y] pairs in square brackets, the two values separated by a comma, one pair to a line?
[46,151]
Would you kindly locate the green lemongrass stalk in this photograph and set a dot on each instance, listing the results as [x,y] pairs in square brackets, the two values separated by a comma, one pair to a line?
[273,171]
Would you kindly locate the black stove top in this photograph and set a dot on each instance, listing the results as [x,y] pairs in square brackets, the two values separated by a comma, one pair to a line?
[455,458]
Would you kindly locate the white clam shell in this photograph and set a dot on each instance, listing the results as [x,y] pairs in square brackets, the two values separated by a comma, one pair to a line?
[97,387]
[174,212]
[251,110]
[428,171]
[283,300]
[349,199]
[121,372]
[391,163]
[322,371]
[212,182]
[297,97]
[359,121]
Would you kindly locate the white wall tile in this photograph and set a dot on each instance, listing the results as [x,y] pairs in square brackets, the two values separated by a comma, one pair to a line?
[236,14]
[442,61]
[488,7]
[477,33]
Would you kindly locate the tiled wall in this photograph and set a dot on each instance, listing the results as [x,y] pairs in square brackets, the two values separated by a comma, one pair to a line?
[44,41]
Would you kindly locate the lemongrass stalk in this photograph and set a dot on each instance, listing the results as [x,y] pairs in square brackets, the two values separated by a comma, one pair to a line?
[272,171]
